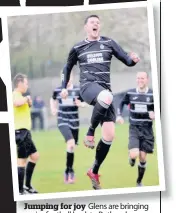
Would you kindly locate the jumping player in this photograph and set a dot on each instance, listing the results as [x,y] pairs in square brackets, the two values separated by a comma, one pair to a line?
[94,55]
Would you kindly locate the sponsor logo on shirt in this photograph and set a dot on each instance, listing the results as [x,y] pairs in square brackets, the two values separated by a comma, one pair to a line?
[95,58]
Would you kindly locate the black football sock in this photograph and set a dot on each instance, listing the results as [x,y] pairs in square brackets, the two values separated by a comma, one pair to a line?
[29,171]
[21,173]
[132,161]
[101,153]
[97,115]
[141,171]
[69,162]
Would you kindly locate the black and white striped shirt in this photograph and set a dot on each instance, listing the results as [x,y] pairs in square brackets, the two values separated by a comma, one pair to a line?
[68,114]
[94,58]
[139,105]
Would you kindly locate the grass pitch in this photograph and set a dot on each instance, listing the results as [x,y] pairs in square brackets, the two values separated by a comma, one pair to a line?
[115,171]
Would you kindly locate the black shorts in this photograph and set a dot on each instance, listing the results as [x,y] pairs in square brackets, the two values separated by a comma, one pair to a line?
[141,137]
[89,94]
[25,145]
[69,133]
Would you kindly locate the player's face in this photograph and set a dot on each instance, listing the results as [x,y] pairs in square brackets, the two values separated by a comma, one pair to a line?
[142,80]
[92,28]
[24,85]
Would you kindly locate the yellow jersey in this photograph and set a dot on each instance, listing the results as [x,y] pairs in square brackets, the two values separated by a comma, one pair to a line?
[22,115]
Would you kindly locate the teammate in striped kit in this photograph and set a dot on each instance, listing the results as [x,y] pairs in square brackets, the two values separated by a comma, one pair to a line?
[141,137]
[94,55]
[68,122]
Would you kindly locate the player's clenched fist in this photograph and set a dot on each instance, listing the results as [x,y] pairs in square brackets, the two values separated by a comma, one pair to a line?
[134,57]
[120,120]
[64,93]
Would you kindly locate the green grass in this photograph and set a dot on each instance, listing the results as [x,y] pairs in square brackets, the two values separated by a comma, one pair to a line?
[116,172]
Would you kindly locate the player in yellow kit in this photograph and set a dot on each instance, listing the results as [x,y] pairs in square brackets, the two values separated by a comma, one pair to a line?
[26,150]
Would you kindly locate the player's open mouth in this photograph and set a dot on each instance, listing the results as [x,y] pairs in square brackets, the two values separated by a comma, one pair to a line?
[95,29]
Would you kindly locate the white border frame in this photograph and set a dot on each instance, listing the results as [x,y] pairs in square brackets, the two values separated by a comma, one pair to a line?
[3,115]
[7,79]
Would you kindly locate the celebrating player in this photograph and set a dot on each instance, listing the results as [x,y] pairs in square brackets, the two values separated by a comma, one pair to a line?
[141,138]
[68,122]
[25,145]
[94,56]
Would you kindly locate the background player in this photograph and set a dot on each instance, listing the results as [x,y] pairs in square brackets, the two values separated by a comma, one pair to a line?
[94,55]
[25,145]
[141,138]
[68,122]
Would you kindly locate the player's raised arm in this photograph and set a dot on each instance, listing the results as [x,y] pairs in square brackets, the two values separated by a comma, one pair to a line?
[53,106]
[71,61]
[54,103]
[128,59]
[125,101]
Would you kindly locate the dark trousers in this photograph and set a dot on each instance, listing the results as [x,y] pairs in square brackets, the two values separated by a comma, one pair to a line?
[37,116]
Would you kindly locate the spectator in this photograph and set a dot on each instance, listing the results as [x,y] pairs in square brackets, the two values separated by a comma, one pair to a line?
[37,112]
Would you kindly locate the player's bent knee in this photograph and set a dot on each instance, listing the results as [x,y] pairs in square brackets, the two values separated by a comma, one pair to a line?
[34,157]
[134,153]
[105,98]
[71,145]
[142,156]
[108,131]
[109,136]
[142,159]
[21,162]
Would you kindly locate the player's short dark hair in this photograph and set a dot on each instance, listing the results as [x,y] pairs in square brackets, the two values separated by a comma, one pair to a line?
[19,78]
[91,16]
[147,73]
